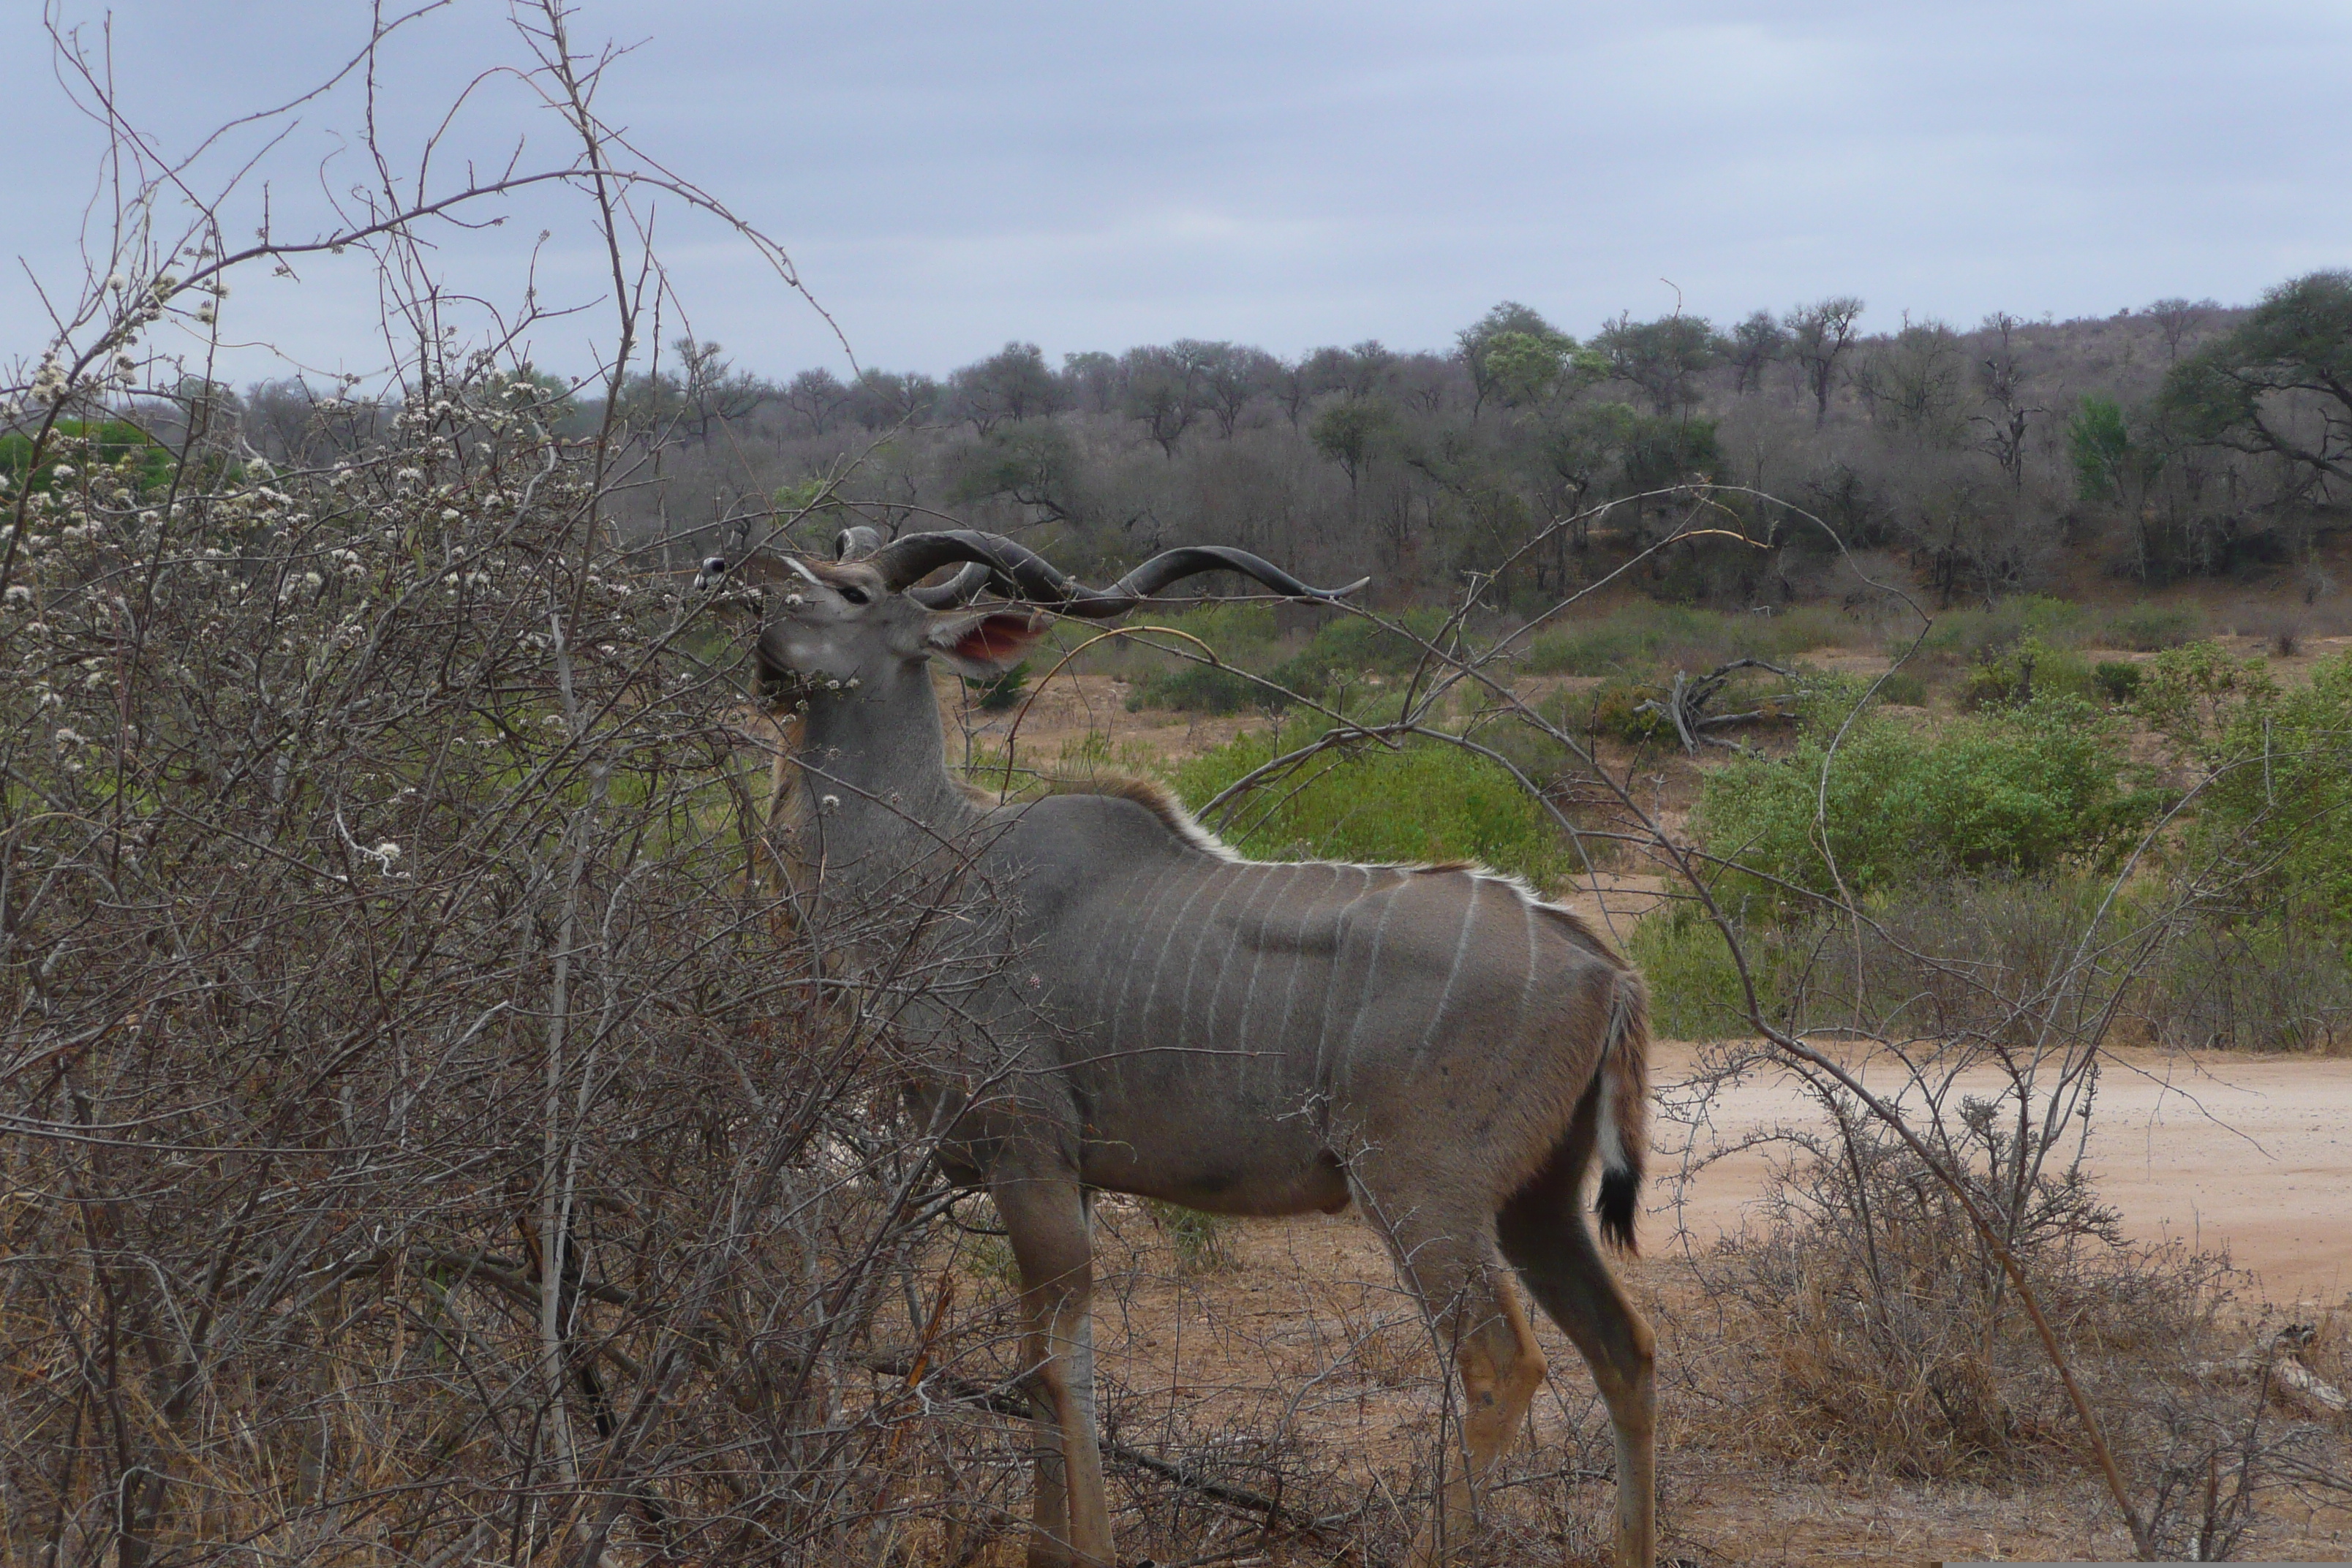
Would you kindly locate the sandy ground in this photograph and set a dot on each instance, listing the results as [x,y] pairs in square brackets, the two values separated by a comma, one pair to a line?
[2250,1153]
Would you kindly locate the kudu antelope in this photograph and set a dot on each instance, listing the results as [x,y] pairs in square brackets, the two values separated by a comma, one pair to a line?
[1435,1044]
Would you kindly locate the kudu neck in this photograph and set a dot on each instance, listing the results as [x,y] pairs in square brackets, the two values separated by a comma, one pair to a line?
[878,749]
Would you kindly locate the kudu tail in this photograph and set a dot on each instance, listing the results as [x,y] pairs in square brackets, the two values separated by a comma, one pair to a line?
[1622,1128]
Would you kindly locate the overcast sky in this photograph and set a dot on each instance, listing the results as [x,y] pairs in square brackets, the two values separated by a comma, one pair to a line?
[1088,176]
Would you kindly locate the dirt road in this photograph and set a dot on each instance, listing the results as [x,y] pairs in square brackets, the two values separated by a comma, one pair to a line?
[2248,1152]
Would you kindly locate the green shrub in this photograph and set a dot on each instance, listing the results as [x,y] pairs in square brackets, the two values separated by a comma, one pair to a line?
[82,443]
[1979,635]
[1645,636]
[1347,653]
[2191,695]
[2019,790]
[1426,800]
[1614,708]
[1233,627]
[2118,680]
[1309,675]
[1695,990]
[2031,668]
[1204,1243]
[1350,644]
[1904,687]
[1001,692]
[1632,636]
[2151,628]
[1192,687]
[2279,806]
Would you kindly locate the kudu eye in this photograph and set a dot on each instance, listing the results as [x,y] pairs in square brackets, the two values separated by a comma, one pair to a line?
[857,595]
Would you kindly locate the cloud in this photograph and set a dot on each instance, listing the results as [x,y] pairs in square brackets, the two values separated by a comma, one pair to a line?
[1088,176]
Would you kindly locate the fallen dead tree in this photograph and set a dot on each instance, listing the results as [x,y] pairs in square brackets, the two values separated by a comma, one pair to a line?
[1685,704]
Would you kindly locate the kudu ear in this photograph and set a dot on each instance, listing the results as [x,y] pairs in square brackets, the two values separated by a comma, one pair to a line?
[982,643]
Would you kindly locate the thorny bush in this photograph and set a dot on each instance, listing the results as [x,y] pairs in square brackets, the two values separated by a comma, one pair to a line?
[419,1131]
[1887,1339]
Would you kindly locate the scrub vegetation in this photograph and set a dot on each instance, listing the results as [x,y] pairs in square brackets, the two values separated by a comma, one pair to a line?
[432,1129]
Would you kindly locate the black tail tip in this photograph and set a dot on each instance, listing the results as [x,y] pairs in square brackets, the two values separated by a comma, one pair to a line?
[1620,1192]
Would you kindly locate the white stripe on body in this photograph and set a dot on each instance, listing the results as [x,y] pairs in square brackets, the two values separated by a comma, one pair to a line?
[1232,879]
[1261,897]
[1298,961]
[1257,963]
[1461,949]
[1372,968]
[1142,930]
[1208,875]
[1341,927]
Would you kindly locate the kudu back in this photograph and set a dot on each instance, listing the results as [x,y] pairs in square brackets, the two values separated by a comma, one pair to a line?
[1158,1016]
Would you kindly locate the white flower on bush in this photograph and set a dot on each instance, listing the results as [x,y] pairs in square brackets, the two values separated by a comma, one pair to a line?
[68,736]
[18,593]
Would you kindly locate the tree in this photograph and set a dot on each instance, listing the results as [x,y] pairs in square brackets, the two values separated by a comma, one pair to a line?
[883,398]
[1352,433]
[1034,466]
[1092,380]
[1819,336]
[1477,341]
[713,392]
[2177,318]
[1757,343]
[2099,443]
[818,397]
[2000,378]
[1424,381]
[1577,448]
[1012,384]
[1522,368]
[277,418]
[1912,381]
[1362,367]
[1662,450]
[1229,377]
[2280,382]
[1665,358]
[1162,392]
[1293,385]
[2111,466]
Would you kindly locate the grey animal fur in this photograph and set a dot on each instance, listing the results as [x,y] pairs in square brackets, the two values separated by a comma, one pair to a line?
[1155,1015]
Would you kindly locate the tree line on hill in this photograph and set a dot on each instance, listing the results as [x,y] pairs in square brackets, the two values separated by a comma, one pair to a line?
[2180,440]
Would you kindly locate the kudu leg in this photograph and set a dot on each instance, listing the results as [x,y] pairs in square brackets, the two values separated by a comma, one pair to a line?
[1450,1265]
[1046,1218]
[1545,1237]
